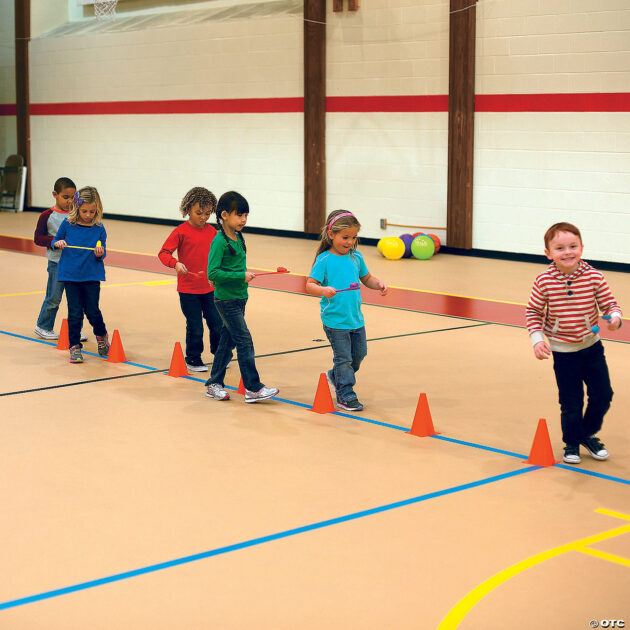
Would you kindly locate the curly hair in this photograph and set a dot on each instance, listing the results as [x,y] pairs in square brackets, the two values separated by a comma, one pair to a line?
[198,195]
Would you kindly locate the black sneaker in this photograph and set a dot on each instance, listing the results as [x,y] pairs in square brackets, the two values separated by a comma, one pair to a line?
[595,448]
[572,454]
[350,405]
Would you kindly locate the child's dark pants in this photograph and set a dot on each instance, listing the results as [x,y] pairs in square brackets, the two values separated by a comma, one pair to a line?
[574,370]
[83,298]
[196,306]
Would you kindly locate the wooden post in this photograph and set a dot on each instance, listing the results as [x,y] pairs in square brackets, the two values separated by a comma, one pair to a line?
[314,115]
[461,115]
[22,95]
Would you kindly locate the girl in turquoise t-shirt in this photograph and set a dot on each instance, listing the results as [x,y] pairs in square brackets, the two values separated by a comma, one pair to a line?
[339,267]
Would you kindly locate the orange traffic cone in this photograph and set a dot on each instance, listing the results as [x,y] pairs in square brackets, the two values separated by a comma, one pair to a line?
[241,388]
[116,352]
[323,402]
[422,422]
[541,453]
[64,342]
[178,365]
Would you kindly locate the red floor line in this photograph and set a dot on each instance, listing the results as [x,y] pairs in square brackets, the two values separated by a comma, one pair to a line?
[451,305]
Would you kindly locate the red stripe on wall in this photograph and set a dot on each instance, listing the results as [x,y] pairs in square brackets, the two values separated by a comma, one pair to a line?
[596,102]
[599,102]
[208,106]
[417,103]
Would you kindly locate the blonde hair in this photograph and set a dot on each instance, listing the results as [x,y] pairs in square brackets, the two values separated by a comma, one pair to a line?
[348,221]
[87,194]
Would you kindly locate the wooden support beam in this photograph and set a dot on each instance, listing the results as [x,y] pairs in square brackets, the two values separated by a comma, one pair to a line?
[461,116]
[22,94]
[314,115]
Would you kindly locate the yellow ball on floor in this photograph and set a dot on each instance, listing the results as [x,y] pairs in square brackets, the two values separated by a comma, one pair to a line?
[392,248]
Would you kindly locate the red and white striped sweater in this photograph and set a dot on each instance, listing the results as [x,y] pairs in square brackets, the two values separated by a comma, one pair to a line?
[565,307]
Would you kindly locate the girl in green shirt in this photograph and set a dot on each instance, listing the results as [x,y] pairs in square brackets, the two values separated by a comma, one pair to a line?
[227,268]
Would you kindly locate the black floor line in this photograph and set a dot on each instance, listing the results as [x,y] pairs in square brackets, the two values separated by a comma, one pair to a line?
[96,380]
[327,345]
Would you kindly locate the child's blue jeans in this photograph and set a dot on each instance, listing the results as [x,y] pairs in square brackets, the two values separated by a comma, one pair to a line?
[349,349]
[235,334]
[54,293]
[82,299]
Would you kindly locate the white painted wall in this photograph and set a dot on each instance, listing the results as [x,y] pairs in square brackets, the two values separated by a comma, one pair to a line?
[143,165]
[535,169]
[531,169]
[8,135]
[388,165]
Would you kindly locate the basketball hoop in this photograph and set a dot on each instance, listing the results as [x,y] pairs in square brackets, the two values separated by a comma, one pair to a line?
[105,9]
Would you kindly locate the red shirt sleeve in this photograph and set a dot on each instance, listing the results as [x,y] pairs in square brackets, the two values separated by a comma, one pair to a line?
[41,236]
[170,245]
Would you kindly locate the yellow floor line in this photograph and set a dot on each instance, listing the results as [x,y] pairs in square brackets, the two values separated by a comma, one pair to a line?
[150,283]
[467,297]
[463,607]
[607,556]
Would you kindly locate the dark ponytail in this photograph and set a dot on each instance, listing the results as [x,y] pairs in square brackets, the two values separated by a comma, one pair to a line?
[231,202]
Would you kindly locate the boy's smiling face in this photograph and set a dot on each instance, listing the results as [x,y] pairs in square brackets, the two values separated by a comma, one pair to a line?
[565,249]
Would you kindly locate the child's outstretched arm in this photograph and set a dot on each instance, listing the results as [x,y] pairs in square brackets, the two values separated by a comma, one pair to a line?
[59,240]
[534,315]
[608,305]
[372,282]
[315,288]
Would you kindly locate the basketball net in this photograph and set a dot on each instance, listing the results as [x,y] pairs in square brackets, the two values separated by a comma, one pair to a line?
[105,9]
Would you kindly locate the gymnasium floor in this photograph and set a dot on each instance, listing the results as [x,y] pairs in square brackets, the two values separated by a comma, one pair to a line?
[130,500]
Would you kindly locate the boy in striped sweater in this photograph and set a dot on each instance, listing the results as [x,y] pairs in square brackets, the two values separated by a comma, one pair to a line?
[565,303]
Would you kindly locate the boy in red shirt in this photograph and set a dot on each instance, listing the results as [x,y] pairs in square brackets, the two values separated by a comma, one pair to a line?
[192,241]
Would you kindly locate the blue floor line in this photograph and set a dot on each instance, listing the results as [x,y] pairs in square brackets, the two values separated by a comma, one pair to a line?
[367,420]
[252,542]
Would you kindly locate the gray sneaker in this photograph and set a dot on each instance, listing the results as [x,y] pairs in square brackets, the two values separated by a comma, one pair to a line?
[83,336]
[216,391]
[349,405]
[46,334]
[75,354]
[262,394]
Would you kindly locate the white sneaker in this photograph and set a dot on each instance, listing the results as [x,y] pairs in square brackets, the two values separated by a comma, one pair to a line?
[83,336]
[46,334]
[262,394]
[197,368]
[216,391]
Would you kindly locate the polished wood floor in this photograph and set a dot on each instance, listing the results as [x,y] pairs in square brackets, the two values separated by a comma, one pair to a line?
[130,500]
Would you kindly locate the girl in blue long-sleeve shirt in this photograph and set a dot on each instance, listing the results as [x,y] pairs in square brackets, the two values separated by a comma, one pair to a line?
[82,237]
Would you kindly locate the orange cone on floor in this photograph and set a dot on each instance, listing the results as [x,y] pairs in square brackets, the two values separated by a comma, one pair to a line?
[541,453]
[323,402]
[64,342]
[422,422]
[178,364]
[241,388]
[116,352]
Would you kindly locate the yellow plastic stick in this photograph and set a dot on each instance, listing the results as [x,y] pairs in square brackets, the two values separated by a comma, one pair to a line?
[98,244]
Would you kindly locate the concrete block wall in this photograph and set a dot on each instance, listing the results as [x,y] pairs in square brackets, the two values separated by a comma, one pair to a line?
[533,169]
[384,164]
[144,164]
[384,159]
[8,136]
